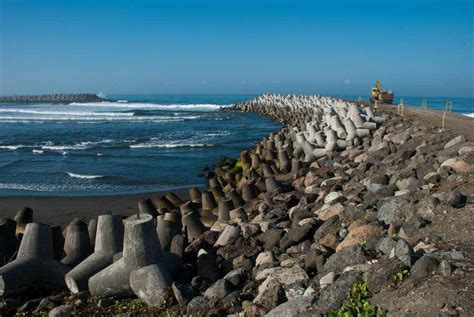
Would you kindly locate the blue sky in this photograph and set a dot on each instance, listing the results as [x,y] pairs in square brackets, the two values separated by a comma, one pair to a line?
[416,47]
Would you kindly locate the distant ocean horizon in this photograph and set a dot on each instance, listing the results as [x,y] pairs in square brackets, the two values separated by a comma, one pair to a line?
[140,143]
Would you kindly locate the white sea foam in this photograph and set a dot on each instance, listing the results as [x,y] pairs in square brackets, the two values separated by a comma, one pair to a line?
[38,151]
[151,106]
[168,145]
[469,114]
[12,147]
[68,113]
[84,176]
[75,147]
[218,133]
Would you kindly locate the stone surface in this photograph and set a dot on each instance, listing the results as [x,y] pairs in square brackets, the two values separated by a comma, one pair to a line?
[182,293]
[345,257]
[327,279]
[378,274]
[61,311]
[270,294]
[392,210]
[404,252]
[358,235]
[220,289]
[292,308]
[285,276]
[424,267]
[335,295]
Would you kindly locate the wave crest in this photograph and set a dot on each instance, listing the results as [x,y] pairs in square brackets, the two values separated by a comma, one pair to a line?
[84,176]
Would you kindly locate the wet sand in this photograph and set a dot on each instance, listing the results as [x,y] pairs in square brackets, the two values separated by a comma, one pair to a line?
[57,210]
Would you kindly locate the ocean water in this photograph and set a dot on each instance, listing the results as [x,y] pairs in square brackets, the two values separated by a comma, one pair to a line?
[140,144]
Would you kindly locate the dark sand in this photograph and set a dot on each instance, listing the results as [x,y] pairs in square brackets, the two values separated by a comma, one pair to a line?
[61,210]
[58,210]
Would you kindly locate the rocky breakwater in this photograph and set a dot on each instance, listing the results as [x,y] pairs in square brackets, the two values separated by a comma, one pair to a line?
[52,98]
[343,212]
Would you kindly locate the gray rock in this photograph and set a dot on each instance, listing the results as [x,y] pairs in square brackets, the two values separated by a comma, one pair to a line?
[291,308]
[445,268]
[270,238]
[236,277]
[386,245]
[391,209]
[327,279]
[455,141]
[270,294]
[220,289]
[334,197]
[283,275]
[314,260]
[199,306]
[409,183]
[404,252]
[378,274]
[61,311]
[345,257]
[335,295]
[411,227]
[182,293]
[424,267]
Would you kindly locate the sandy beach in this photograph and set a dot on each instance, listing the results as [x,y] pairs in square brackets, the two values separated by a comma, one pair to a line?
[57,210]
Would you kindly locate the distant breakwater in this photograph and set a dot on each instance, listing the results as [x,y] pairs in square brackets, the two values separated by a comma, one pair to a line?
[52,98]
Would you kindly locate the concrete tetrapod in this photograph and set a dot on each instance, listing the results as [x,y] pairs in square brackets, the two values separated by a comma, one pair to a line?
[35,265]
[77,244]
[141,248]
[109,241]
[8,241]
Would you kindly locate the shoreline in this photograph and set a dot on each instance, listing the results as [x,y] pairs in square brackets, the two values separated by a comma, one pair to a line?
[61,210]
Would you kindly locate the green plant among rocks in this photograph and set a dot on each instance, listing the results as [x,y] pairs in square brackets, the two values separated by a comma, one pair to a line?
[357,304]
[238,168]
[397,278]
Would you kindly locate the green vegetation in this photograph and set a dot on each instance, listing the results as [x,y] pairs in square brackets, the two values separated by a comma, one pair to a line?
[238,168]
[396,278]
[357,304]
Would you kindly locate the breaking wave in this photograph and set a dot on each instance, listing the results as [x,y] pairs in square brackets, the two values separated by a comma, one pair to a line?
[152,106]
[84,176]
[12,147]
[168,145]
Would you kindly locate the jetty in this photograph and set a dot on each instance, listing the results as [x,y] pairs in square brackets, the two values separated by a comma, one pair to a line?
[53,98]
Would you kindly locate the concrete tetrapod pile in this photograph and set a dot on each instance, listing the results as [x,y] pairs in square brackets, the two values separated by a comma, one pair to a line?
[334,213]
